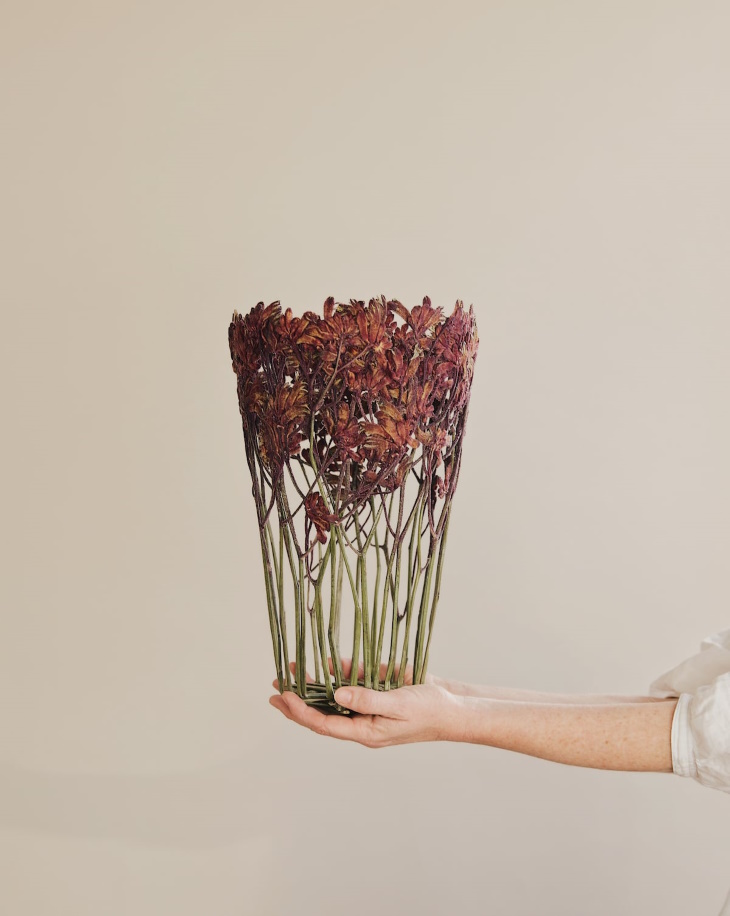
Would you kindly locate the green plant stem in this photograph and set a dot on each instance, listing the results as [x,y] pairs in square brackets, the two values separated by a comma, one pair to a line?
[423,608]
[314,643]
[367,647]
[375,661]
[302,647]
[390,558]
[361,574]
[270,601]
[282,609]
[333,629]
[311,612]
[259,493]
[279,576]
[389,587]
[335,605]
[422,613]
[395,616]
[320,620]
[358,610]
[368,638]
[301,631]
[414,576]
[437,591]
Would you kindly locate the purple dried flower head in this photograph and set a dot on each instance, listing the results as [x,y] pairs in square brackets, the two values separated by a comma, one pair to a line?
[317,514]
[355,394]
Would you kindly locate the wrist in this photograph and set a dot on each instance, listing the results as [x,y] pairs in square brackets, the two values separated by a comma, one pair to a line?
[456,688]
[461,717]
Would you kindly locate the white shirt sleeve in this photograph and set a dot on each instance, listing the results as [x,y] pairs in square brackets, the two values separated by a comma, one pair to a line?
[701,723]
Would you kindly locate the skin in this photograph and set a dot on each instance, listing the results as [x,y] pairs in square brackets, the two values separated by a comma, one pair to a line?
[601,731]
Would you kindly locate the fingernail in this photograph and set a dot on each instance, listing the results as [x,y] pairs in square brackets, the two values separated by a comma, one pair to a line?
[343,695]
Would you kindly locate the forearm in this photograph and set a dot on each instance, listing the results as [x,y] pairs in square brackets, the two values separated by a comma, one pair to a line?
[609,736]
[460,688]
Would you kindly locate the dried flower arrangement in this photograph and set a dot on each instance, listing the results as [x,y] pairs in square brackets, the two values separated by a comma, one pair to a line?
[353,425]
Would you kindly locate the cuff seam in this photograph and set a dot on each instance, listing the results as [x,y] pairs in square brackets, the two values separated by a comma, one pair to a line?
[684,762]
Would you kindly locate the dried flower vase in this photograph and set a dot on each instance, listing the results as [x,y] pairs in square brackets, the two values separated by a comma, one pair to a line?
[353,424]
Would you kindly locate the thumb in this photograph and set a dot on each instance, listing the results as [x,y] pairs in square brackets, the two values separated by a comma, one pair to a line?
[369,701]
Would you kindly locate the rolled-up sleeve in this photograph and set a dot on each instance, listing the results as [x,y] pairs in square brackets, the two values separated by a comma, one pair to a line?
[700,735]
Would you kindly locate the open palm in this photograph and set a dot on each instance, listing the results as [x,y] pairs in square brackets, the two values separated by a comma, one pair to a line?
[420,712]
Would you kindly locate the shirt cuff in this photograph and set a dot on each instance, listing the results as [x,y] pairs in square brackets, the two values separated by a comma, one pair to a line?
[684,762]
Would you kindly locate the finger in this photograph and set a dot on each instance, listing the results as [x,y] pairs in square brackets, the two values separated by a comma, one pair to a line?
[277,702]
[344,727]
[293,669]
[305,714]
[347,668]
[371,702]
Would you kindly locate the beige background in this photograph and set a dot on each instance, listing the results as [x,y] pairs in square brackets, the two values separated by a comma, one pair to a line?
[560,165]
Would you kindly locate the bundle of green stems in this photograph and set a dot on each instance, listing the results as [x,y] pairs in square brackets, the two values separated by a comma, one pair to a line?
[385,561]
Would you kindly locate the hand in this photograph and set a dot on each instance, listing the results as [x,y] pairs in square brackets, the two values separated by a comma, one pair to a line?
[403,715]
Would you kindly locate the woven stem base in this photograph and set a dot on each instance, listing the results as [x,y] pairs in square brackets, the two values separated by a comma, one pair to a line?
[317,697]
